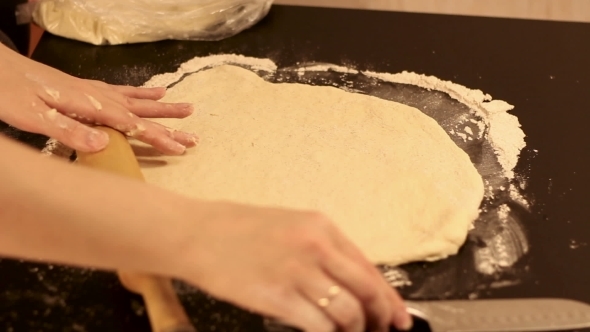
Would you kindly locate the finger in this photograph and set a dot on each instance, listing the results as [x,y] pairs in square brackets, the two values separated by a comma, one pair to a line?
[148,108]
[162,138]
[362,285]
[89,109]
[298,312]
[400,317]
[131,91]
[337,303]
[184,138]
[153,109]
[70,132]
[145,131]
[79,106]
[112,114]
[140,93]
[84,105]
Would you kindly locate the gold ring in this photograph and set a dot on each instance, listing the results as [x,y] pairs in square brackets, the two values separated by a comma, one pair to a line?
[332,292]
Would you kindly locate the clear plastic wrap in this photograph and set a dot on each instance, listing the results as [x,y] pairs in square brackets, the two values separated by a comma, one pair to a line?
[103,22]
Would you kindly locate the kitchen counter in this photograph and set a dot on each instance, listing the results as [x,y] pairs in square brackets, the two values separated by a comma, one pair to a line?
[542,68]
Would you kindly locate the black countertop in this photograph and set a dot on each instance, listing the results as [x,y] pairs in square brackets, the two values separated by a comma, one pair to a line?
[543,68]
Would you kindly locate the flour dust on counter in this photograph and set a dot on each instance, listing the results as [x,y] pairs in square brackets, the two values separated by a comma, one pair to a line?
[48,296]
[494,253]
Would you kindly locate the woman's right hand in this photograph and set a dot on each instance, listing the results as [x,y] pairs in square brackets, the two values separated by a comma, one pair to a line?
[294,266]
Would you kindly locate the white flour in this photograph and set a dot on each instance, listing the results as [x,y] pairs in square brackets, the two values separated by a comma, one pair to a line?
[516,196]
[55,148]
[199,63]
[503,213]
[328,67]
[397,277]
[504,134]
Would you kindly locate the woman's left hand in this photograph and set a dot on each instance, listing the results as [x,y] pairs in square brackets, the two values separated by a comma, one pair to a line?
[39,99]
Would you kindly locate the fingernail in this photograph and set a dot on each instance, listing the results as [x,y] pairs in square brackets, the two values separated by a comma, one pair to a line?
[97,139]
[188,107]
[177,148]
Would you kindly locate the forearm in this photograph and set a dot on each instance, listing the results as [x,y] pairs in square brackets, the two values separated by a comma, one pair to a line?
[53,211]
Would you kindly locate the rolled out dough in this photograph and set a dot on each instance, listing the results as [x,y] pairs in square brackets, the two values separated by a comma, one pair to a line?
[385,173]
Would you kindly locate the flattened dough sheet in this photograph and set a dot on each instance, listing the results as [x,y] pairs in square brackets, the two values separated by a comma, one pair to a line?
[385,173]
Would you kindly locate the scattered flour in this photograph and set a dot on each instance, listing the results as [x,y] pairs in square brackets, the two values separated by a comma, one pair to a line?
[397,277]
[482,127]
[503,212]
[97,105]
[328,67]
[577,244]
[51,147]
[55,148]
[52,93]
[505,134]
[499,253]
[516,196]
[199,63]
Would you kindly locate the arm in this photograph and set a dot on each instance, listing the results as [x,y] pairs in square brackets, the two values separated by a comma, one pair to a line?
[53,211]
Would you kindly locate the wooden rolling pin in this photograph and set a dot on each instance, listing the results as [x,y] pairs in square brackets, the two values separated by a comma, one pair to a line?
[164,309]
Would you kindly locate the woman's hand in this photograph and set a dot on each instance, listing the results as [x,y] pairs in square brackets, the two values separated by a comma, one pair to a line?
[43,100]
[291,265]
[295,266]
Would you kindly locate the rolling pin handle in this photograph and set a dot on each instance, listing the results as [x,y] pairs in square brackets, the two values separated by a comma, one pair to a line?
[165,311]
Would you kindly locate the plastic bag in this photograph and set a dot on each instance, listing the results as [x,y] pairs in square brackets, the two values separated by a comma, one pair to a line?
[114,22]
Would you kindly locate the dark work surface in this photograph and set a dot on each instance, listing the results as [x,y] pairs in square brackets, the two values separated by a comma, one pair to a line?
[18,33]
[543,68]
